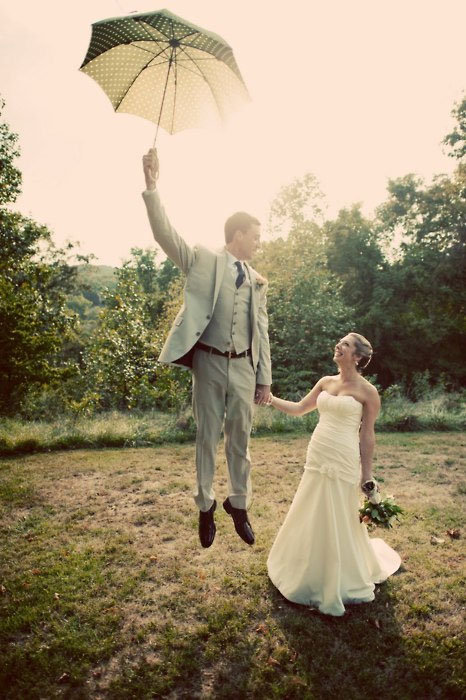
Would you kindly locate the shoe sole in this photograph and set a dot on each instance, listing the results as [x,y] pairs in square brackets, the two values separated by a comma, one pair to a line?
[206,546]
[228,508]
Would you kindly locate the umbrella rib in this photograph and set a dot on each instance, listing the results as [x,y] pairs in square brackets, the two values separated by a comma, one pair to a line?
[153,56]
[141,48]
[164,92]
[144,25]
[174,95]
[205,79]
[136,77]
[193,33]
[190,45]
[211,58]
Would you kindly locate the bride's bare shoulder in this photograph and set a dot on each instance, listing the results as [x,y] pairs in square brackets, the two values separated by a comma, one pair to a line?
[324,382]
[370,390]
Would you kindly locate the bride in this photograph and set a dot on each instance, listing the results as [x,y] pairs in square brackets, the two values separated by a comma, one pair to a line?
[322,555]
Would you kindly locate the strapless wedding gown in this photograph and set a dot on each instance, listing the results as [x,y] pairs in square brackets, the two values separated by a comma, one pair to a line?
[322,555]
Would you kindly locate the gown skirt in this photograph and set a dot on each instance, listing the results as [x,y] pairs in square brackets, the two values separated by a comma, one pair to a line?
[322,555]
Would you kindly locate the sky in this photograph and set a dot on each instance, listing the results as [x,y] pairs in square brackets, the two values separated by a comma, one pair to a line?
[353,91]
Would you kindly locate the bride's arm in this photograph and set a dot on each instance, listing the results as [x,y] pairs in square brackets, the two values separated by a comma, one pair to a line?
[367,433]
[298,408]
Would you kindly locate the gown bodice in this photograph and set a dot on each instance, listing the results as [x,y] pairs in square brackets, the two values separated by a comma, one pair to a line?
[334,446]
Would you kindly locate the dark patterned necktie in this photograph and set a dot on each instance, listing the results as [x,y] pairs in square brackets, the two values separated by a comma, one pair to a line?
[241,274]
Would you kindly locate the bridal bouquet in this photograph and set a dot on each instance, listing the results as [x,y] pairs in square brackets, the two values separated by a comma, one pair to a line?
[377,511]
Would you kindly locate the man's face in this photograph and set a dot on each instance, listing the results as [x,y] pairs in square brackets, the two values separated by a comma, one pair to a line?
[248,241]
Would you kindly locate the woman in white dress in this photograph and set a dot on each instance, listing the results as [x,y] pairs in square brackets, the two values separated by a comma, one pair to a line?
[322,555]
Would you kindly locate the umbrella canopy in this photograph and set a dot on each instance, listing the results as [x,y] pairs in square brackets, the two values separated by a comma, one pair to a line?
[160,67]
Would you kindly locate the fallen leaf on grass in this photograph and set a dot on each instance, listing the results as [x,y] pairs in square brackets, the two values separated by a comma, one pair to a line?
[273,662]
[454,533]
[2,590]
[262,629]
[153,558]
[436,540]
[296,680]
[36,572]
[56,596]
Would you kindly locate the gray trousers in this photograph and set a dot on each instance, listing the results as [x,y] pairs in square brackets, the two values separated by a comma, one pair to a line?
[223,396]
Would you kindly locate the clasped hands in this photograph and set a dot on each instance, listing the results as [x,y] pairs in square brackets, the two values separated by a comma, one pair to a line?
[261,394]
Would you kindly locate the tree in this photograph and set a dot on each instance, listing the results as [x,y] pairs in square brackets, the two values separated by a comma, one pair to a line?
[35,278]
[10,176]
[121,366]
[306,312]
[456,139]
[423,292]
[354,256]
[295,206]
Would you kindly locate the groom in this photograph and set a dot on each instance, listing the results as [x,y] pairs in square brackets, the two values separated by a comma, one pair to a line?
[221,333]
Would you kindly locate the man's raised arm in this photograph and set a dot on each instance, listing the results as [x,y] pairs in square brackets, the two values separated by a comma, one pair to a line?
[171,243]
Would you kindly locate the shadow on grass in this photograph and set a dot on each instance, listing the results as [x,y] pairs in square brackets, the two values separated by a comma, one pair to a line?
[211,660]
[365,653]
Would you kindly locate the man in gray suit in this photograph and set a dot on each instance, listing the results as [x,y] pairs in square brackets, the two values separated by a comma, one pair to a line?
[221,333]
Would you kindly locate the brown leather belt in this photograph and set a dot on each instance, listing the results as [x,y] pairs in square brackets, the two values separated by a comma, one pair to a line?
[214,351]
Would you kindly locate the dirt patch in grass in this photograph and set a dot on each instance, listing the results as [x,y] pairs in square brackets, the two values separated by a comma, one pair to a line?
[113,535]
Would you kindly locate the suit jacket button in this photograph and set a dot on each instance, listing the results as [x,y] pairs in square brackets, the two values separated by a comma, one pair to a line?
[198,333]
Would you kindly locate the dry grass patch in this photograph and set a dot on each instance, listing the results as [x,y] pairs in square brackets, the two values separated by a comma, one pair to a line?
[107,593]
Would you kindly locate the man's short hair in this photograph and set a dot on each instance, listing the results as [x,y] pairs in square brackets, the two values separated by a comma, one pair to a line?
[240,221]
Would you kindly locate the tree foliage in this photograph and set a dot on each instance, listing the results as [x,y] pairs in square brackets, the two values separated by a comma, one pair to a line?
[121,367]
[423,290]
[307,313]
[456,139]
[10,176]
[35,279]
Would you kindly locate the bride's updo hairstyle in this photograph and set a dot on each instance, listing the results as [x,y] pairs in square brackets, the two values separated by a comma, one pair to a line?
[363,348]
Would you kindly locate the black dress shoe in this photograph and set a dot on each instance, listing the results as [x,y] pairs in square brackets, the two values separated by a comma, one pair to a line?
[207,527]
[242,524]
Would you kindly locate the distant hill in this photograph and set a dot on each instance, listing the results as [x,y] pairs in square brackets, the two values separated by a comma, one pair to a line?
[92,280]
[95,278]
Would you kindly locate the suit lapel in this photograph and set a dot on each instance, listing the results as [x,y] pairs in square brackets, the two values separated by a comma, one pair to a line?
[219,272]
[254,295]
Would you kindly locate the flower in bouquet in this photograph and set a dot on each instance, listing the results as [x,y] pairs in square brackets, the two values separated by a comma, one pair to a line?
[382,514]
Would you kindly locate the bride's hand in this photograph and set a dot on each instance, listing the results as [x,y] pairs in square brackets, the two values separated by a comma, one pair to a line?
[371,490]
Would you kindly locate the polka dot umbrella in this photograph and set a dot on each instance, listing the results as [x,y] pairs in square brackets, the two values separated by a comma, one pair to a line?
[162,68]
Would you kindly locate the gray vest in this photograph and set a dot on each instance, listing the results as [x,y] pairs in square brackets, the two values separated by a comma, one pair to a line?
[230,325]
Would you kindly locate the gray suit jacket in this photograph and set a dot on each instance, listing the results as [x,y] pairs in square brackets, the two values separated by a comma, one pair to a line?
[204,270]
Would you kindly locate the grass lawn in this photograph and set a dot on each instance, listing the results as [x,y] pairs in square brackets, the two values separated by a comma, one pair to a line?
[105,591]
